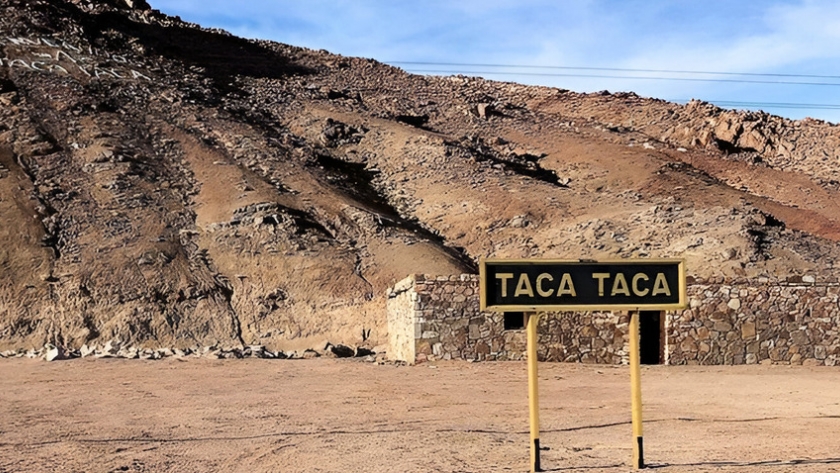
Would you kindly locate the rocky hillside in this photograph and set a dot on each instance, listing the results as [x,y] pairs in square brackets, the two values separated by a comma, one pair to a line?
[168,185]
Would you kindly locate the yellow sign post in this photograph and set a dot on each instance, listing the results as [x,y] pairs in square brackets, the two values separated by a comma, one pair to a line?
[636,391]
[533,390]
[536,286]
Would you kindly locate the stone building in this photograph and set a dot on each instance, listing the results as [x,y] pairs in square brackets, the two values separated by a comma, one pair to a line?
[727,322]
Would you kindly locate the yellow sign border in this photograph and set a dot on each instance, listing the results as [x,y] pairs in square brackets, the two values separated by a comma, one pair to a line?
[482,274]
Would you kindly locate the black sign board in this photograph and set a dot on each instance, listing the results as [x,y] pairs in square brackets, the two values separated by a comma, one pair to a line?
[558,285]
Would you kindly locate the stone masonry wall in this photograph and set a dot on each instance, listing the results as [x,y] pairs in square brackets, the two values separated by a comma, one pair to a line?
[757,323]
[447,324]
[438,317]
[585,337]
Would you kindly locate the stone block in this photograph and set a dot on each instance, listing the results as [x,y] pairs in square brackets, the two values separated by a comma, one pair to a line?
[748,331]
[820,352]
[722,326]
[799,337]
[474,332]
[688,345]
[423,347]
[718,316]
[589,331]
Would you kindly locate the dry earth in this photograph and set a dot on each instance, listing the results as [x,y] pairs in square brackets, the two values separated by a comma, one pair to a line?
[349,416]
[173,186]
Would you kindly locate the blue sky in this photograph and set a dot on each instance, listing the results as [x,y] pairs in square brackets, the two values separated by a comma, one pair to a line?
[800,38]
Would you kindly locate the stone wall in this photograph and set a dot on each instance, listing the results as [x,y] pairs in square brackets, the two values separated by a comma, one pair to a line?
[438,317]
[795,323]
[441,315]
[585,337]
[446,322]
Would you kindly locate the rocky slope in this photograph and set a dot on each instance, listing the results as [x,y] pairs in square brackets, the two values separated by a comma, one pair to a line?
[168,185]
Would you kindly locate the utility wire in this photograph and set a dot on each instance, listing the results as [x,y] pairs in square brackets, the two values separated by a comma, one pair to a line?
[723,103]
[614,69]
[729,103]
[605,76]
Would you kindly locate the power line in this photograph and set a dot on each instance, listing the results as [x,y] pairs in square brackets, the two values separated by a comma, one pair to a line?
[804,106]
[454,68]
[604,76]
[614,69]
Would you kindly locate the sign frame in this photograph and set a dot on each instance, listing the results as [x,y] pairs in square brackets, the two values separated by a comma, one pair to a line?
[682,283]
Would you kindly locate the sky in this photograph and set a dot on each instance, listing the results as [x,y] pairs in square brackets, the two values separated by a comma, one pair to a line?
[781,56]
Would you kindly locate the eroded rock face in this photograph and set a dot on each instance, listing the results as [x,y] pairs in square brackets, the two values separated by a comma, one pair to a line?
[119,4]
[172,186]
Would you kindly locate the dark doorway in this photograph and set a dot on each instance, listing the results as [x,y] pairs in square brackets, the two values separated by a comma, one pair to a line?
[650,337]
[514,320]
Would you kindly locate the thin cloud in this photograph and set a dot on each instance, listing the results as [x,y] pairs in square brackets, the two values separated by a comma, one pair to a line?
[716,35]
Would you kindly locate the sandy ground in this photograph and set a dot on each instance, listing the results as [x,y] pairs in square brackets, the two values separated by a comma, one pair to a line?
[348,416]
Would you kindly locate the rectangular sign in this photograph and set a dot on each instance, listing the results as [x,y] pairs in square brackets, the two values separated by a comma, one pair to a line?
[561,285]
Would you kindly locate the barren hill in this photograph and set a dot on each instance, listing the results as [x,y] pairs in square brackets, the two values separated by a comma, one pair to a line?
[170,185]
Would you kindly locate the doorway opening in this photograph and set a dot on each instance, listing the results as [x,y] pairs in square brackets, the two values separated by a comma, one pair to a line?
[650,336]
[514,320]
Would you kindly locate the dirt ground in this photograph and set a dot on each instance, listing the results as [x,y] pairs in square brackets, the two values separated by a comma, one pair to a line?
[349,416]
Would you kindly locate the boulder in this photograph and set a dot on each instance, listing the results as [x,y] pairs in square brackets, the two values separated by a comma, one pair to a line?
[360,351]
[138,4]
[339,351]
[54,353]
[86,350]
[112,348]
[310,353]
